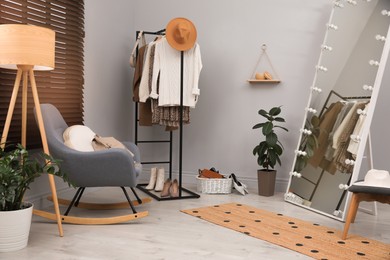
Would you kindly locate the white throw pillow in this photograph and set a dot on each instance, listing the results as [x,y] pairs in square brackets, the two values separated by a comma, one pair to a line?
[79,137]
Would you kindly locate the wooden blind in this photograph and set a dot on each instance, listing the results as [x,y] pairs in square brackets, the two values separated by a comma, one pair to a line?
[63,86]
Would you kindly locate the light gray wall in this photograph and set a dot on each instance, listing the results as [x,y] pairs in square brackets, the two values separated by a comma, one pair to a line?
[109,35]
[230,35]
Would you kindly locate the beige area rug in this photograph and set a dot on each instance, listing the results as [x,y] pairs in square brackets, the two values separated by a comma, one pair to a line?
[311,239]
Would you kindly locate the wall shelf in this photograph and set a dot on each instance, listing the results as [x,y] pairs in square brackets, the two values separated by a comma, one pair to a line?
[261,74]
[264,81]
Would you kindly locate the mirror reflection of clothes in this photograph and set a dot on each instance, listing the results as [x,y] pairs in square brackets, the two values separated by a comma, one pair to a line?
[335,138]
[342,153]
[326,125]
[344,111]
[357,133]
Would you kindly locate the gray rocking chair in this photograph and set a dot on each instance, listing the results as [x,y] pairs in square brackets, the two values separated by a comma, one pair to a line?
[107,168]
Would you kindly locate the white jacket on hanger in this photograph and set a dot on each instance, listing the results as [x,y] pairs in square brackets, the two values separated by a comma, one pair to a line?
[167,63]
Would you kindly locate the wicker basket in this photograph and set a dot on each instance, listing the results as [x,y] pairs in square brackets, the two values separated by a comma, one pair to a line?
[214,186]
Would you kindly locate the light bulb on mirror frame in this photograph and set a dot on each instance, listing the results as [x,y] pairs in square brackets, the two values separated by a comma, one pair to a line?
[296,174]
[343,186]
[315,89]
[349,162]
[322,68]
[305,131]
[326,47]
[338,213]
[385,12]
[332,26]
[361,112]
[367,87]
[300,153]
[311,110]
[380,38]
[374,63]
[338,4]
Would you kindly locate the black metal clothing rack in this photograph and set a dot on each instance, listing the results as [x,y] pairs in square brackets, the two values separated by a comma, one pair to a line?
[332,92]
[191,194]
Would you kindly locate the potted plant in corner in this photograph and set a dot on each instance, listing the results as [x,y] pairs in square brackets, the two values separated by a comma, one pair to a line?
[269,150]
[18,169]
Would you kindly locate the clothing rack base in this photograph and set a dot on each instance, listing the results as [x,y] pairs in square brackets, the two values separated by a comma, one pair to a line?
[155,195]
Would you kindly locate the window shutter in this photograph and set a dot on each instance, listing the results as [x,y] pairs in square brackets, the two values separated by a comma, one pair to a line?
[63,86]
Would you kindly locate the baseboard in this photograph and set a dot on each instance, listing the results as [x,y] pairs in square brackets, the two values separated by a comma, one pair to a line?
[40,200]
[188,178]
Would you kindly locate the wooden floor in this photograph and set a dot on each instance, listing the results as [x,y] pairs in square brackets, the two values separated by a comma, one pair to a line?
[169,234]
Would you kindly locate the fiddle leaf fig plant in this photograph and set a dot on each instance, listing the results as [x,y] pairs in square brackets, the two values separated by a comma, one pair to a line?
[18,169]
[270,149]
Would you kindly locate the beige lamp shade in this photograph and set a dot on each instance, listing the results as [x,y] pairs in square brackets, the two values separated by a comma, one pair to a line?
[22,44]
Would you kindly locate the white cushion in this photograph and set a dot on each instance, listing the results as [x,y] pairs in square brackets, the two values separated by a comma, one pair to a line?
[79,137]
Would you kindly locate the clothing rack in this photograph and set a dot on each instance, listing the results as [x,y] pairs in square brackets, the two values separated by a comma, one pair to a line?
[332,92]
[326,106]
[191,194]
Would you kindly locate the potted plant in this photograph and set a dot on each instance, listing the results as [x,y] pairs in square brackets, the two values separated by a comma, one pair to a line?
[269,150]
[18,169]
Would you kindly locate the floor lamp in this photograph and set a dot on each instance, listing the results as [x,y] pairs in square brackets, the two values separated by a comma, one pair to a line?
[26,48]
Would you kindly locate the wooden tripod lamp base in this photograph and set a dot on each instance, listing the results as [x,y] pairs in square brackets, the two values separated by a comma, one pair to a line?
[28,48]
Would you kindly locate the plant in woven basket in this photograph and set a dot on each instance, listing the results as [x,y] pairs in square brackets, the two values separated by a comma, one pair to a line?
[18,170]
[270,149]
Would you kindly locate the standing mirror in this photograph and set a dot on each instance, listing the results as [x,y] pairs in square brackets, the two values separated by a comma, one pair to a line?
[340,107]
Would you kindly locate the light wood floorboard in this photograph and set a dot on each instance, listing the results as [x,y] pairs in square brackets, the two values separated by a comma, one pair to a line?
[169,234]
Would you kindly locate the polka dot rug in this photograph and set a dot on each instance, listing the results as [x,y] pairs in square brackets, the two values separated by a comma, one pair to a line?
[311,239]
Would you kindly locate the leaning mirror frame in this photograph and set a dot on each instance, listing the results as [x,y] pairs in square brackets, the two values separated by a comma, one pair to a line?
[309,129]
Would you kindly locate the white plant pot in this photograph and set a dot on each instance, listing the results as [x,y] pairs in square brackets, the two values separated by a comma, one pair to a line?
[15,228]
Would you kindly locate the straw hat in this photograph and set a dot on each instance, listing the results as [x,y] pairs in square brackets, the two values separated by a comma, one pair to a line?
[181,34]
[376,178]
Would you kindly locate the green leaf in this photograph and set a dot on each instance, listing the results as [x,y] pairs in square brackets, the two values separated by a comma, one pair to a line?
[279,119]
[255,150]
[263,113]
[271,139]
[278,126]
[278,149]
[267,128]
[272,158]
[262,148]
[258,125]
[275,111]
[299,164]
[315,121]
[309,153]
[311,141]
[278,160]
[260,161]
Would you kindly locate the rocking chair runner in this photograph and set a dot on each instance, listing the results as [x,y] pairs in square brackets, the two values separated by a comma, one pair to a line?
[107,168]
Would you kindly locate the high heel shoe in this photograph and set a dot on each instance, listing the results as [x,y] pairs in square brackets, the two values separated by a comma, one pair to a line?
[165,190]
[239,186]
[174,189]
